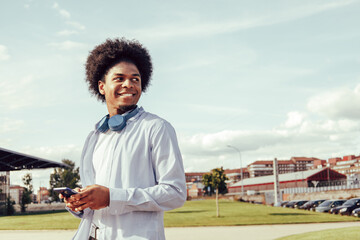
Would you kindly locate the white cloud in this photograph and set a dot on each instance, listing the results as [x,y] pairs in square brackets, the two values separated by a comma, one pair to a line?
[40,177]
[201,29]
[55,153]
[62,12]
[17,94]
[10,125]
[67,45]
[66,32]
[76,25]
[299,135]
[4,53]
[208,144]
[337,104]
[294,119]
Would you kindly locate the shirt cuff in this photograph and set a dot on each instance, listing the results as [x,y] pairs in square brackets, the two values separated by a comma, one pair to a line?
[118,198]
[76,214]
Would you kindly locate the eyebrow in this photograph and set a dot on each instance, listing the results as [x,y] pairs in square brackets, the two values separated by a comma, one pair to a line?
[120,74]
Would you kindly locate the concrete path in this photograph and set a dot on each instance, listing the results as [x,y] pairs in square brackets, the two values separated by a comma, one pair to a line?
[258,232]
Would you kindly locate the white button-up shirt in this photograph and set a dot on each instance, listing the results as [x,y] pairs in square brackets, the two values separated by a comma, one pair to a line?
[143,169]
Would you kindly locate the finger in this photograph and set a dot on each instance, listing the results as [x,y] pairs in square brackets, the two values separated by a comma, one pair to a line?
[71,199]
[84,193]
[84,206]
[77,203]
[76,197]
[72,207]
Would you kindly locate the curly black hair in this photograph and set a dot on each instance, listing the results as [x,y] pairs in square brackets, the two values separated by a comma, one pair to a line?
[106,55]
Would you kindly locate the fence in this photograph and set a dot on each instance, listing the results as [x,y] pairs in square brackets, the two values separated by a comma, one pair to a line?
[324,186]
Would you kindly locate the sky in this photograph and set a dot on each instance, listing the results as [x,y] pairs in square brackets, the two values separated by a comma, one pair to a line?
[274,79]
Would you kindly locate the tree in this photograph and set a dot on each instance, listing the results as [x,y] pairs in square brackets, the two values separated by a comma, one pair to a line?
[208,188]
[64,177]
[9,206]
[28,190]
[215,180]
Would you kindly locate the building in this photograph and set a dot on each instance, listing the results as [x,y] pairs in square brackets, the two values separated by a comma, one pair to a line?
[194,183]
[234,175]
[303,163]
[348,165]
[295,164]
[332,161]
[260,168]
[286,166]
[43,195]
[194,176]
[318,163]
[310,178]
[16,193]
[4,185]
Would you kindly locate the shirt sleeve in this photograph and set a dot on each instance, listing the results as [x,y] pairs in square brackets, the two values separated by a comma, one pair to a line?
[79,214]
[170,191]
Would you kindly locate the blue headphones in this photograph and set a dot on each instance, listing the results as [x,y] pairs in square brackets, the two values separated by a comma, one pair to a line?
[115,123]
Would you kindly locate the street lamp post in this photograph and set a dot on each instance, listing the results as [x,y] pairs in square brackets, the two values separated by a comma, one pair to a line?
[241,171]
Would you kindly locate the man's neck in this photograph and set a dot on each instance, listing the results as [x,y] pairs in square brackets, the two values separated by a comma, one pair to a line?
[124,109]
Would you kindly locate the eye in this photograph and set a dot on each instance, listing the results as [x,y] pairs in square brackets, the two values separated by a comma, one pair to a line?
[136,79]
[119,79]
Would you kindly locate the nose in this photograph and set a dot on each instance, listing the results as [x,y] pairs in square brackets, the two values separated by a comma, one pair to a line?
[128,83]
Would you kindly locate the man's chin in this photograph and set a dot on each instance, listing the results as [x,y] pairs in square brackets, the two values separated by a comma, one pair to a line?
[124,109]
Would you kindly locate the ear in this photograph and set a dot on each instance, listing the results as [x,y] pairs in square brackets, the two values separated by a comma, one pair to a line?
[101,85]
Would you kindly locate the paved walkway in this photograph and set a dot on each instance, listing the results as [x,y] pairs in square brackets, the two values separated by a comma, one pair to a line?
[258,232]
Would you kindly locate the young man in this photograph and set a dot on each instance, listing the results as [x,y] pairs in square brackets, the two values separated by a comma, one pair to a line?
[131,167]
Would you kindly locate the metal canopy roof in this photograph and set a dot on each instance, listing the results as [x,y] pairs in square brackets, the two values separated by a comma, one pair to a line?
[321,174]
[12,161]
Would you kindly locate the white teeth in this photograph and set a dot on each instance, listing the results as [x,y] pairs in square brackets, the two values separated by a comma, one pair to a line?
[127,94]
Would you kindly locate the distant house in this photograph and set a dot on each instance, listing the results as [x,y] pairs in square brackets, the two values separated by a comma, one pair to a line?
[16,193]
[194,183]
[194,176]
[347,165]
[295,164]
[42,195]
[234,175]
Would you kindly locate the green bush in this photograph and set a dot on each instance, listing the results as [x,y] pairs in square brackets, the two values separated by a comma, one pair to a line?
[10,210]
[7,207]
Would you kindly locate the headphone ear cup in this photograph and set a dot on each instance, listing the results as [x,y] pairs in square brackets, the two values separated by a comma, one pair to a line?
[117,123]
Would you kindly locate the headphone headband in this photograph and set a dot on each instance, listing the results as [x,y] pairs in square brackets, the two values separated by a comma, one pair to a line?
[115,123]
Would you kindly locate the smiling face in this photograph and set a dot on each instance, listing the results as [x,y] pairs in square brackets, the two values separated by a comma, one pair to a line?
[121,88]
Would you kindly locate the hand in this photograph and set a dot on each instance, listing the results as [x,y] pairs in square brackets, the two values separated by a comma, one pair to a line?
[94,197]
[67,199]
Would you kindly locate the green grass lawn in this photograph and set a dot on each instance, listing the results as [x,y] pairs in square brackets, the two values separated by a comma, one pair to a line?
[202,213]
[193,213]
[334,234]
[57,220]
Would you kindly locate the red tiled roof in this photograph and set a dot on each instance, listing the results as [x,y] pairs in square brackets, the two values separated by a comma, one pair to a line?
[304,158]
[236,170]
[261,162]
[195,173]
[285,162]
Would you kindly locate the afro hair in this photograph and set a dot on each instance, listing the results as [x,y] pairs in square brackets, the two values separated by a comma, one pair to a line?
[111,52]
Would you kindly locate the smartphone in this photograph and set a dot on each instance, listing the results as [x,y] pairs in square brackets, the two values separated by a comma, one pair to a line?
[65,191]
